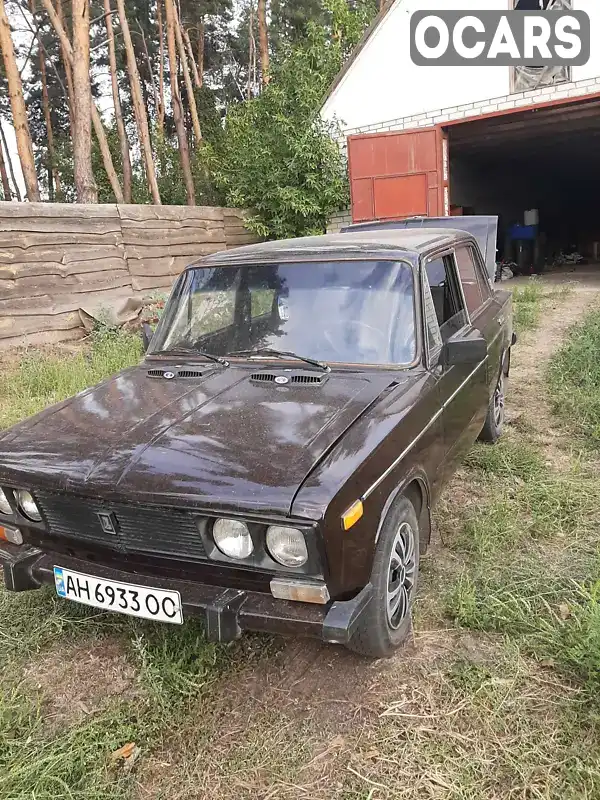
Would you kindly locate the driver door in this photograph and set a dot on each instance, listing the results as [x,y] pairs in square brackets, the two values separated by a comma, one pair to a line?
[463,387]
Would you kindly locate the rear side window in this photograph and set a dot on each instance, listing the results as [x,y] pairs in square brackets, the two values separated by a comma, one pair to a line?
[476,293]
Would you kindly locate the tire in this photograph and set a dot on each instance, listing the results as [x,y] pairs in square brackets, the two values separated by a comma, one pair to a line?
[494,421]
[381,630]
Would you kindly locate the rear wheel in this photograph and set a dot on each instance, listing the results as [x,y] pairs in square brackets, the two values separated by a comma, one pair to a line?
[494,422]
[387,622]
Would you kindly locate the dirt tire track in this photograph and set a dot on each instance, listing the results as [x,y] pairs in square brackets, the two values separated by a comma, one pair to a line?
[527,398]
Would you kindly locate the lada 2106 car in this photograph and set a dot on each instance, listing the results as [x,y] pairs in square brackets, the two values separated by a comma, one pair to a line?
[272,462]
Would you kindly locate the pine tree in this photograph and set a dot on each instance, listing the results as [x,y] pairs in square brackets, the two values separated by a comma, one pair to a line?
[19,112]
[120,125]
[85,185]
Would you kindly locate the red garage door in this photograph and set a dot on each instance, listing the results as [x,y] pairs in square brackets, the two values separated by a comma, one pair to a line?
[397,175]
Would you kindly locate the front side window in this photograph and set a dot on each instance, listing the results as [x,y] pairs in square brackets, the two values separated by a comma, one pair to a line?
[358,312]
[442,280]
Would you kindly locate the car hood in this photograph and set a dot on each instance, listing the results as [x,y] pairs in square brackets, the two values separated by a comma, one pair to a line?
[224,440]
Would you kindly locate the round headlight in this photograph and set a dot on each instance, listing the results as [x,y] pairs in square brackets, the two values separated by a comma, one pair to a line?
[233,538]
[287,546]
[28,506]
[4,504]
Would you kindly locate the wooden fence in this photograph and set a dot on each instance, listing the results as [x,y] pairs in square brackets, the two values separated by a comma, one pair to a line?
[58,258]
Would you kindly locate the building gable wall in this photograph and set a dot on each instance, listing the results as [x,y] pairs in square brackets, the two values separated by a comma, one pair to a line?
[383,87]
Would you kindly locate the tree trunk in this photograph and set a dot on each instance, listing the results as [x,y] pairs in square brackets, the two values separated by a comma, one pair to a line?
[68,69]
[190,52]
[96,119]
[251,52]
[123,141]
[177,109]
[138,105]
[161,73]
[53,171]
[16,190]
[151,75]
[263,39]
[85,185]
[188,81]
[4,175]
[19,112]
[53,176]
[201,52]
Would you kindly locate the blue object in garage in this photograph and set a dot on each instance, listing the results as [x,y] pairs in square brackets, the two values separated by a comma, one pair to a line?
[523,232]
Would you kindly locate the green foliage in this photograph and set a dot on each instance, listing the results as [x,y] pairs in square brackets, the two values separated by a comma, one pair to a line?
[278,157]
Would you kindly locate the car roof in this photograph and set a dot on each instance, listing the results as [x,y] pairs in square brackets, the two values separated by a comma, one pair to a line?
[407,245]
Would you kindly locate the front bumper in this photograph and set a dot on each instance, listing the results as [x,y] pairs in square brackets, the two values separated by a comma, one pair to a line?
[227,612]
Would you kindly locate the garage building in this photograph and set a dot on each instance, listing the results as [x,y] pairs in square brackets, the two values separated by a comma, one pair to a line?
[521,143]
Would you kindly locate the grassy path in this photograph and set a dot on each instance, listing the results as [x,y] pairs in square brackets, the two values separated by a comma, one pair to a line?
[497,699]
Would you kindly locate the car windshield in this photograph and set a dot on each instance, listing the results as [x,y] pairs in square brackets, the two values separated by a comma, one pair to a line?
[357,312]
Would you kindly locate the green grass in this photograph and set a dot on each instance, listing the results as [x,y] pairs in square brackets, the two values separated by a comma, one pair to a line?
[43,378]
[528,305]
[574,380]
[533,572]
[68,763]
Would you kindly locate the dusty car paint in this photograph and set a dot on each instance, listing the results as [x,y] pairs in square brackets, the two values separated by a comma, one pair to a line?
[222,443]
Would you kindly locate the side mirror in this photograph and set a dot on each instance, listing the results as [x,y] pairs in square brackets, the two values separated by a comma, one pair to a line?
[465,349]
[147,334]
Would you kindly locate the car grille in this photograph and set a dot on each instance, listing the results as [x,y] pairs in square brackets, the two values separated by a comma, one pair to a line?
[140,529]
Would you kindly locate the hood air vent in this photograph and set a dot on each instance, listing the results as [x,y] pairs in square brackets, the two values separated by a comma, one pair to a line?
[189,373]
[169,374]
[297,378]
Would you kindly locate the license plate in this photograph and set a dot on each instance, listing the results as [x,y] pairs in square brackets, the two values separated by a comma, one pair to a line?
[126,598]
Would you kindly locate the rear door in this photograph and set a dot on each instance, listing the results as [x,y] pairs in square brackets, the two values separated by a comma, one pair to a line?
[397,175]
[463,387]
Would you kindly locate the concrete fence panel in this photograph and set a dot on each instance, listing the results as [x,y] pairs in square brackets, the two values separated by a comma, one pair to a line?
[58,258]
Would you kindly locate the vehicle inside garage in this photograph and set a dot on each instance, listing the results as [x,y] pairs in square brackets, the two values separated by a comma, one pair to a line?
[539,171]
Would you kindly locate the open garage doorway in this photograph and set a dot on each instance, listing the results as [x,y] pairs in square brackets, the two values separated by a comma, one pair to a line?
[539,171]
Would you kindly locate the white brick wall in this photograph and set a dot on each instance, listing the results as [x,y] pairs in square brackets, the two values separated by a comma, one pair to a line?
[339,221]
[490,106]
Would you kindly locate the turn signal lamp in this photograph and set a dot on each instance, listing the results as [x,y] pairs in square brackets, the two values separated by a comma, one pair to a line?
[12,535]
[351,517]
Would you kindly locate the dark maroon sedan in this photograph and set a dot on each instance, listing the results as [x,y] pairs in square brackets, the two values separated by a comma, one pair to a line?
[272,463]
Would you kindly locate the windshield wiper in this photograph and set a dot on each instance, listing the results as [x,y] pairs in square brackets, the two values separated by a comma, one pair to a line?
[268,351]
[186,351]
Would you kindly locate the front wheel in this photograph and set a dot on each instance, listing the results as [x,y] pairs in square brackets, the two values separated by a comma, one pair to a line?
[494,422]
[387,622]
